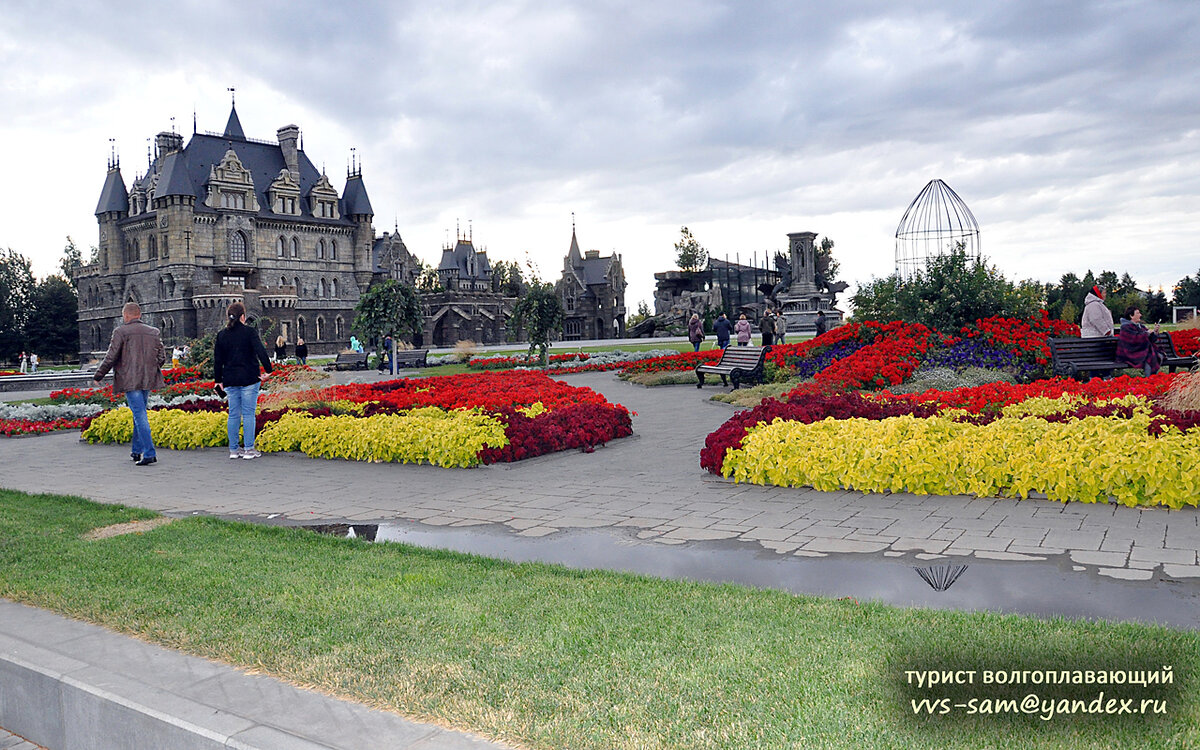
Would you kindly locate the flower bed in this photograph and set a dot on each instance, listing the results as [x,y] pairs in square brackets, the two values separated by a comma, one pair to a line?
[1071,441]
[455,420]
[10,427]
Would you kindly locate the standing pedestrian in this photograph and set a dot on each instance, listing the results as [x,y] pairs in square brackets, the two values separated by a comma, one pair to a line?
[781,324]
[301,351]
[33,362]
[821,322]
[744,330]
[136,356]
[24,363]
[385,356]
[723,328]
[695,332]
[176,356]
[236,357]
[767,326]
[280,349]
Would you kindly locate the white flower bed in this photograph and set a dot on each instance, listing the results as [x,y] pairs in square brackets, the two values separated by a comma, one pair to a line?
[49,412]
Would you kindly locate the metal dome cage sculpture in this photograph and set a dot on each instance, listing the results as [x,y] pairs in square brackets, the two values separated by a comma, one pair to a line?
[935,223]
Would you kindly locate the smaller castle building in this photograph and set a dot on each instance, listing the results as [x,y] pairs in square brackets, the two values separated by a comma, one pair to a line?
[592,293]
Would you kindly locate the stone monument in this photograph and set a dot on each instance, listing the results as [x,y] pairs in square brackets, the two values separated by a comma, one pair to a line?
[808,291]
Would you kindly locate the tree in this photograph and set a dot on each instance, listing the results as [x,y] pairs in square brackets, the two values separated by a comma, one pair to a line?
[70,263]
[507,278]
[53,329]
[643,312]
[824,256]
[1186,292]
[16,290]
[953,290]
[690,255]
[1070,313]
[1157,309]
[428,280]
[388,309]
[540,313]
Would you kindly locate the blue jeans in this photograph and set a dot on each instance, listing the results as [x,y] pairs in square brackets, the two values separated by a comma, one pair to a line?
[242,400]
[142,444]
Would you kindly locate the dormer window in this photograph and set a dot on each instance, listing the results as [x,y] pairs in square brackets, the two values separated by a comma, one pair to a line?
[284,194]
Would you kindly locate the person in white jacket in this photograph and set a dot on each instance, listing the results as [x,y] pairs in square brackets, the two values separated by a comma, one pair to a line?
[1097,318]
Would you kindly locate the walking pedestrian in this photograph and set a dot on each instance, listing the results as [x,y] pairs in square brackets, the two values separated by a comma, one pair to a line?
[822,324]
[135,356]
[744,331]
[767,326]
[24,363]
[33,362]
[695,332]
[236,357]
[723,328]
[781,325]
[301,351]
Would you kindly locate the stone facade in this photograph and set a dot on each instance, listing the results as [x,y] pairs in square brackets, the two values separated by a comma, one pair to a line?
[468,309]
[592,293]
[226,218]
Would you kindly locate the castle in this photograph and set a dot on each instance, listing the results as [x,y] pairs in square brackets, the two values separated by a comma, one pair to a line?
[228,218]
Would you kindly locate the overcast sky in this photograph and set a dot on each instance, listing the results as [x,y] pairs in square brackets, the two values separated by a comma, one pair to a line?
[1071,129]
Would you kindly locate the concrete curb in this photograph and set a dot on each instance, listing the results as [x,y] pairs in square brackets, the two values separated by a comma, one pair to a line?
[68,684]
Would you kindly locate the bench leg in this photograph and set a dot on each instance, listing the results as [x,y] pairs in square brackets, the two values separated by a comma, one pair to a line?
[737,381]
[699,380]
[724,381]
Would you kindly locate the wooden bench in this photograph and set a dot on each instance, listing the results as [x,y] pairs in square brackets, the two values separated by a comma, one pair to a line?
[1169,356]
[1071,356]
[738,363]
[350,361]
[411,358]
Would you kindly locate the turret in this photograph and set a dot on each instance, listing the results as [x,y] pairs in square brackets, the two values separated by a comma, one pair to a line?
[112,207]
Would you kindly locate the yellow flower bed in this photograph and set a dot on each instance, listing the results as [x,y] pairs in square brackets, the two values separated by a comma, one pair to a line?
[1086,460]
[437,436]
[171,428]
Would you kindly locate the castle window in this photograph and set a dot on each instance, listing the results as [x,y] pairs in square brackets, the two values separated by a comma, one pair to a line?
[296,283]
[280,247]
[233,200]
[320,249]
[334,290]
[237,248]
[152,248]
[165,254]
[320,329]
[137,252]
[333,251]
[301,328]
[339,328]
[282,281]
[321,288]
[233,281]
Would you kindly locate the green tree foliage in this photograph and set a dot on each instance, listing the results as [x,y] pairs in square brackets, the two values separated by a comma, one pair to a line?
[1069,313]
[388,309]
[824,255]
[540,313]
[53,329]
[643,312]
[1158,310]
[507,278]
[71,262]
[428,281]
[16,292]
[690,255]
[1186,292]
[952,291]
[200,355]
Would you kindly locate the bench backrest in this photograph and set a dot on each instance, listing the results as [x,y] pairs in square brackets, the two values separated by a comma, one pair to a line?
[1066,349]
[741,355]
[350,356]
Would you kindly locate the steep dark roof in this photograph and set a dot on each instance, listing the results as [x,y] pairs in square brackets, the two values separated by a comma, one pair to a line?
[379,247]
[595,270]
[233,128]
[174,178]
[456,258]
[186,172]
[113,197]
[354,199]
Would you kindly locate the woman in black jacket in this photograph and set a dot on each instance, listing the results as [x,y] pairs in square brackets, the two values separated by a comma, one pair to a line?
[236,357]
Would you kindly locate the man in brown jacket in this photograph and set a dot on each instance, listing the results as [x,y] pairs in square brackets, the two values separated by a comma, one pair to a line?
[136,357]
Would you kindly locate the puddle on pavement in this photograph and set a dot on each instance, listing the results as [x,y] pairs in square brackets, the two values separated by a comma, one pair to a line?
[1043,588]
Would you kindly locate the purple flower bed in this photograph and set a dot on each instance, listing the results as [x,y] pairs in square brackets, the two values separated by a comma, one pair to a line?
[807,367]
[972,353]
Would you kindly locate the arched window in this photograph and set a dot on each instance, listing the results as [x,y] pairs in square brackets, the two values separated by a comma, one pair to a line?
[339,328]
[280,247]
[334,289]
[320,249]
[333,251]
[301,328]
[137,252]
[296,283]
[237,248]
[295,247]
[162,287]
[152,248]
[321,290]
[320,329]
[282,281]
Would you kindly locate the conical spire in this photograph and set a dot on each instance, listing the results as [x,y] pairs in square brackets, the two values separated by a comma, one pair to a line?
[573,254]
[233,128]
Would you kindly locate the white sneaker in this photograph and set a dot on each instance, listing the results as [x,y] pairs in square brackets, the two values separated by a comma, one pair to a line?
[250,453]
[235,454]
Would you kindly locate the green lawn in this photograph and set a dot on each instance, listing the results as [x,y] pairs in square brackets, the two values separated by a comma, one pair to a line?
[551,658]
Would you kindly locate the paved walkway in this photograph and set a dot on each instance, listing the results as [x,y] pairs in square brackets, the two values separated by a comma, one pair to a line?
[10,741]
[650,483]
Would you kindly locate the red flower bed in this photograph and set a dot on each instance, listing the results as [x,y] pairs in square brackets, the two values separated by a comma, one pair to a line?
[582,426]
[8,372]
[491,391]
[180,374]
[1024,338]
[1187,341]
[897,351]
[10,427]
[993,396]
[508,363]
[682,361]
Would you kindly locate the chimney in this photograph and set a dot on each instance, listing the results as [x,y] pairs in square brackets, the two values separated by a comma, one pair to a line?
[288,135]
[168,143]
[591,254]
